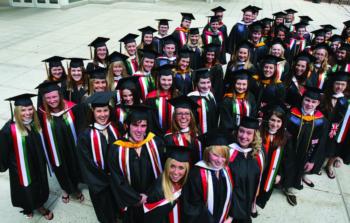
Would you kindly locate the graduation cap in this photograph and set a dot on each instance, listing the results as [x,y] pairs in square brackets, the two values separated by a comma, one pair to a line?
[116,56]
[328,27]
[98,42]
[168,40]
[164,21]
[98,73]
[194,31]
[137,113]
[241,74]
[322,46]
[54,61]
[270,59]
[201,73]
[128,38]
[339,76]
[183,102]
[76,62]
[290,11]
[99,99]
[281,27]
[20,100]
[275,105]
[216,137]
[319,32]
[305,18]
[165,70]
[48,86]
[211,47]
[184,53]
[187,16]
[127,83]
[305,56]
[313,93]
[347,23]
[256,9]
[245,44]
[256,26]
[279,14]
[218,9]
[214,19]
[179,153]
[147,30]
[148,53]
[249,122]
[277,41]
[344,46]
[300,25]
[266,21]
[336,38]
[249,8]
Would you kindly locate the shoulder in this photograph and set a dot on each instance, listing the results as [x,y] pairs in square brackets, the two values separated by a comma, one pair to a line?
[152,94]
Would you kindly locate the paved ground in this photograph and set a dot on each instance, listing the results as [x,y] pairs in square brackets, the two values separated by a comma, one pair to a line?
[29,35]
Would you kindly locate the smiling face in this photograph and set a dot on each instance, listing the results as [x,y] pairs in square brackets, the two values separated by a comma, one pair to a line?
[166,82]
[163,30]
[56,73]
[275,123]
[186,23]
[204,85]
[76,73]
[137,130]
[27,113]
[214,26]
[184,63]
[127,97]
[99,85]
[300,67]
[210,56]
[169,50]
[216,160]
[147,39]
[52,99]
[177,171]
[245,136]
[243,54]
[309,105]
[148,64]
[117,70]
[320,55]
[194,38]
[277,50]
[269,70]
[101,52]
[241,86]
[131,48]
[101,115]
[339,86]
[183,117]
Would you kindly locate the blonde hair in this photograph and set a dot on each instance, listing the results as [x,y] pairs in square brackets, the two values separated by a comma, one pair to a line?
[220,150]
[282,50]
[256,144]
[167,185]
[324,64]
[110,74]
[176,128]
[234,59]
[47,109]
[91,86]
[19,121]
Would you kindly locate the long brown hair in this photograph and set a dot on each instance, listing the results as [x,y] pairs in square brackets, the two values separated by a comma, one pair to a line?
[305,75]
[176,128]
[324,65]
[47,109]
[279,138]
[71,82]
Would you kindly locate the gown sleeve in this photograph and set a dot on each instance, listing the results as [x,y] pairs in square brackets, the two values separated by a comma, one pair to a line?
[5,145]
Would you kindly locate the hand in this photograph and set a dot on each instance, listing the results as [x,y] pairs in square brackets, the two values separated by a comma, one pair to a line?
[277,179]
[143,199]
[228,220]
[308,167]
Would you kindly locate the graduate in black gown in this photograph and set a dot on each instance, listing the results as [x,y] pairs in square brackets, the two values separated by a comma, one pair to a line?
[135,162]
[77,81]
[207,111]
[99,57]
[247,160]
[23,153]
[60,121]
[209,190]
[116,71]
[305,148]
[92,150]
[321,67]
[132,63]
[259,49]
[146,40]
[168,53]
[183,74]
[163,28]
[342,58]
[180,34]
[194,46]
[164,201]
[278,49]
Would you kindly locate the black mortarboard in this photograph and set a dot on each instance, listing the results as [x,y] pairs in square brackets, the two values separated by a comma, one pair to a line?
[211,47]
[279,14]
[137,113]
[319,32]
[201,73]
[305,56]
[347,23]
[300,25]
[98,73]
[322,46]
[54,61]
[218,9]
[275,105]
[164,21]
[129,38]
[256,8]
[183,102]
[245,44]
[168,40]
[313,93]
[98,42]
[148,53]
[290,11]
[249,122]
[267,21]
[256,26]
[281,27]
[99,99]
[187,16]
[276,41]
[22,99]
[48,86]
[305,18]
[328,27]
[248,8]
[116,56]
[147,30]
[336,38]
[127,83]
[165,70]
[179,153]
[344,46]
[184,53]
[339,76]
[270,59]
[214,19]
[194,31]
[216,137]
[76,62]
[241,74]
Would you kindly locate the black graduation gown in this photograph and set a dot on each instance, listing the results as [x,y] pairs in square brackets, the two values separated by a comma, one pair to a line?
[180,36]
[217,81]
[194,205]
[267,93]
[141,176]
[222,28]
[68,172]
[183,82]
[92,66]
[215,39]
[246,176]
[307,144]
[239,33]
[293,94]
[195,56]
[258,52]
[160,214]
[228,118]
[75,95]
[97,177]
[34,195]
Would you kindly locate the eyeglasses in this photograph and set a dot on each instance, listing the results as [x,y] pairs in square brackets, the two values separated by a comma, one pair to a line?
[181,114]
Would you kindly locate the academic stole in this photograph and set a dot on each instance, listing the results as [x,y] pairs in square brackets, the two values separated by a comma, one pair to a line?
[321,79]
[96,145]
[209,37]
[280,69]
[240,108]
[49,127]
[344,126]
[274,164]
[180,140]
[174,214]
[202,113]
[132,65]
[294,42]
[182,35]
[163,107]
[146,84]
[120,114]
[152,150]
[338,67]
[208,191]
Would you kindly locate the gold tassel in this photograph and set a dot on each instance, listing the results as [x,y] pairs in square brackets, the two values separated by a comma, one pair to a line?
[47,71]
[90,53]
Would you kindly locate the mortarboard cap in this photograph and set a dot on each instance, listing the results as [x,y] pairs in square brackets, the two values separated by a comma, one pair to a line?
[256,26]
[164,21]
[22,99]
[241,74]
[148,53]
[98,42]
[179,153]
[183,102]
[218,9]
[313,93]
[300,25]
[248,8]
[344,46]
[137,113]
[336,38]
[322,46]
[147,30]
[270,59]
[211,47]
[76,62]
[98,73]
[249,122]
[347,23]
[277,41]
[165,70]
[275,106]
[319,32]
[305,56]
[214,19]
[216,137]
[54,61]
[187,16]
[99,99]
[266,21]
[290,11]
[339,76]
[194,31]
[48,86]
[255,8]
[184,53]
[245,44]
[328,27]
[201,73]
[281,27]
[279,14]
[127,83]
[168,40]
[116,56]
[129,38]
[305,18]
